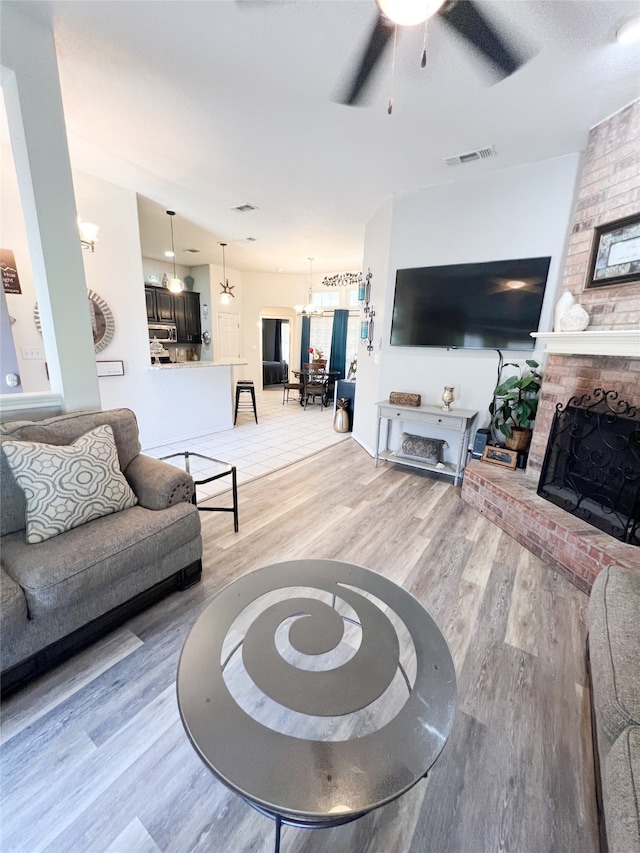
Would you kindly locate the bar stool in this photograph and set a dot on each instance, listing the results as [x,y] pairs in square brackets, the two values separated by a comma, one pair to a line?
[245,386]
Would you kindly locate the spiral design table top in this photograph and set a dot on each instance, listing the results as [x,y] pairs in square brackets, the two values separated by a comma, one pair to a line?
[316,689]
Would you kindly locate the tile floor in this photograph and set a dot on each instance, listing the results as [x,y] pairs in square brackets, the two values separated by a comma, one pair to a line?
[283,435]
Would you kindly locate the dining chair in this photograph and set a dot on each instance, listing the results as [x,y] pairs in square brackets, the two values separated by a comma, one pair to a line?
[290,386]
[314,380]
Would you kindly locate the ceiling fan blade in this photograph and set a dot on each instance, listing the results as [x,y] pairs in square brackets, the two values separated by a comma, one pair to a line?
[380,35]
[465,18]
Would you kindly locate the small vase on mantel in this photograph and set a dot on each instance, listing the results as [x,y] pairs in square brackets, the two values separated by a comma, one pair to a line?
[447,398]
[563,304]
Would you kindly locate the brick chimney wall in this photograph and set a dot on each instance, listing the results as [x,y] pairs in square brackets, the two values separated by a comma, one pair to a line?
[609,190]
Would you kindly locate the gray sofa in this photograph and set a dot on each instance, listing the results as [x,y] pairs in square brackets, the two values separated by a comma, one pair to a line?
[614,653]
[58,595]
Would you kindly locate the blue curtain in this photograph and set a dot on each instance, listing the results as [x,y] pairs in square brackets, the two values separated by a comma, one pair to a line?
[277,341]
[304,343]
[339,341]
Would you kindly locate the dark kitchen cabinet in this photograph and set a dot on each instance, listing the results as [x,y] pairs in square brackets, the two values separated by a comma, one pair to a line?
[187,312]
[160,305]
[165,306]
[150,297]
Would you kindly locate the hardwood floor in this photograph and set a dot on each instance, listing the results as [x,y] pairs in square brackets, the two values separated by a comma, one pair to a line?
[95,758]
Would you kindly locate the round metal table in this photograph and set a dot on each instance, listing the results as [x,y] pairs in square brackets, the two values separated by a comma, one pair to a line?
[317,690]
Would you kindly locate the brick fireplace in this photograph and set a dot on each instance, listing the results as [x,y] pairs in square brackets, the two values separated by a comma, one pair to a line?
[508,498]
[605,356]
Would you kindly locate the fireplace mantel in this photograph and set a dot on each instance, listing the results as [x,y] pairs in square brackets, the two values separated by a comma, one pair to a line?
[615,342]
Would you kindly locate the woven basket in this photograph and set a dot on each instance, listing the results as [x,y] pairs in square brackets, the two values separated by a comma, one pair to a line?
[400,398]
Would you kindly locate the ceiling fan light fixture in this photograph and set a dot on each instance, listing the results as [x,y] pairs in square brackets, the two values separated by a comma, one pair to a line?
[629,31]
[409,12]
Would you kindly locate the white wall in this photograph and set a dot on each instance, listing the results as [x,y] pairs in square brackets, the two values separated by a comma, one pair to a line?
[517,213]
[377,247]
[150,266]
[272,291]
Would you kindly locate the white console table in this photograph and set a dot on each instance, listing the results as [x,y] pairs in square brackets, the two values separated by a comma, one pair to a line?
[457,420]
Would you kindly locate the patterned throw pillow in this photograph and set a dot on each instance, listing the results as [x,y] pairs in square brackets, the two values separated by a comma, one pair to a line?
[418,447]
[66,486]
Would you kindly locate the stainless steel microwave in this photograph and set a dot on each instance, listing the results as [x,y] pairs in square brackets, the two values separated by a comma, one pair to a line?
[165,332]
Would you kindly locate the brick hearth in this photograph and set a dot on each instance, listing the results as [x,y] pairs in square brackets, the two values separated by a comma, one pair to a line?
[568,544]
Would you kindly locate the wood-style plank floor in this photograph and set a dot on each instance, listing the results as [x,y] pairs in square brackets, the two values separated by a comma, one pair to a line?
[95,758]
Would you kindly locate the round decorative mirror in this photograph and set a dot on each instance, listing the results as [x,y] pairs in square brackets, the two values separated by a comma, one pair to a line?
[102,321]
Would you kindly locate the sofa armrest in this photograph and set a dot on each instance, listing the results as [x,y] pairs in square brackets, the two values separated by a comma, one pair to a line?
[157,484]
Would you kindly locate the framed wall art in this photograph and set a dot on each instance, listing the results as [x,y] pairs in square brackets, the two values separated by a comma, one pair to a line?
[500,456]
[615,253]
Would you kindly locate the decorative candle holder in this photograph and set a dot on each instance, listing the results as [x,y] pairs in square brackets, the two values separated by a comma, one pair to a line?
[447,398]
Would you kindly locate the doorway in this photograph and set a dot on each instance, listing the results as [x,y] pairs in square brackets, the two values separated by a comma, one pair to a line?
[276,350]
[228,336]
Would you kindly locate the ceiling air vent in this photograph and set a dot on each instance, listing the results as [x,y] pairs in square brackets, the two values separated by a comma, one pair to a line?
[470,156]
[244,208]
[251,239]
[192,251]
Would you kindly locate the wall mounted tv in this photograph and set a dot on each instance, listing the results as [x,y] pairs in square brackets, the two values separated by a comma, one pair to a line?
[492,305]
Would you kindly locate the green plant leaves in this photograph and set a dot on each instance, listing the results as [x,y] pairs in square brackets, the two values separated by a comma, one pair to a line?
[515,401]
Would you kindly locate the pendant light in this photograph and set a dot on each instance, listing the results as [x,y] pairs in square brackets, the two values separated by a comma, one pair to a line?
[226,294]
[176,285]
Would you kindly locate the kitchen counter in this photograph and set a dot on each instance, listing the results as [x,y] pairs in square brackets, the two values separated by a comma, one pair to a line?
[186,399]
[188,364]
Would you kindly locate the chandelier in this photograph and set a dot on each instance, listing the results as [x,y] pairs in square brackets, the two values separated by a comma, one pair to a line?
[309,310]
[343,279]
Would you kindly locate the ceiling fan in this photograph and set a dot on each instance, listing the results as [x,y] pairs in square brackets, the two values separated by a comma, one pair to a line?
[462,16]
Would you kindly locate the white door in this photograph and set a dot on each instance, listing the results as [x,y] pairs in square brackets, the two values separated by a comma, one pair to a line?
[228,336]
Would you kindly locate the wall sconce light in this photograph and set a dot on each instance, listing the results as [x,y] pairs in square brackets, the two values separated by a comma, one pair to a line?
[88,234]
[366,330]
[226,294]
[364,297]
[364,292]
[176,285]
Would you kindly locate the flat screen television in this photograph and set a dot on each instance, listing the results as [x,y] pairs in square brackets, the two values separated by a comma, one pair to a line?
[494,305]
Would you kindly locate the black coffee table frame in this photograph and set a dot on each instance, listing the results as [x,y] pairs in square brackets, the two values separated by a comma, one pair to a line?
[229,470]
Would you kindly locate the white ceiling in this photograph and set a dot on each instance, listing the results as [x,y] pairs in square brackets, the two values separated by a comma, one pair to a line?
[200,105]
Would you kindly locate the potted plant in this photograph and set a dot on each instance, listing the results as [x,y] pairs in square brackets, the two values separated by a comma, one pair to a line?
[514,405]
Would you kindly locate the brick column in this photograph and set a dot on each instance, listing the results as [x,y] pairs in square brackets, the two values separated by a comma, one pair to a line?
[609,189]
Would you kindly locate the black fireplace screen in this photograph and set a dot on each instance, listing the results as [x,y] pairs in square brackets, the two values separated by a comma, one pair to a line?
[592,464]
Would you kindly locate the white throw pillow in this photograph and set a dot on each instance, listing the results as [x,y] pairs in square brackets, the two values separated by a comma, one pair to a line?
[67,485]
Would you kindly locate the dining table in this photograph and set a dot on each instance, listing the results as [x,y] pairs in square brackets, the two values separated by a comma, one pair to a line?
[329,378]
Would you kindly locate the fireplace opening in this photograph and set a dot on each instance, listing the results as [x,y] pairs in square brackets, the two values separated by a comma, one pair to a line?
[591,466]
